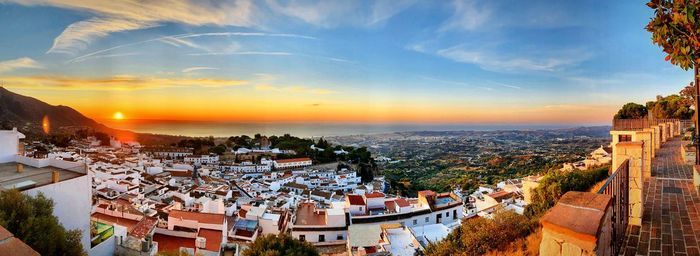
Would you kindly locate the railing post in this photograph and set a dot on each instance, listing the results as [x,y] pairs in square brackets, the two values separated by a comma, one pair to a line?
[647,146]
[634,152]
[579,224]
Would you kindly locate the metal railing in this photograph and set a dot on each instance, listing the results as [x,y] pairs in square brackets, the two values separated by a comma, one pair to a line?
[638,124]
[617,186]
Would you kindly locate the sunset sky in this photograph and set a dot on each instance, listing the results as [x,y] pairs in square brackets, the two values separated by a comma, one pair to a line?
[388,61]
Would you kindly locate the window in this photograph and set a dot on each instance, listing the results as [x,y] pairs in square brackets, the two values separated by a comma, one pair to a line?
[454,214]
[415,222]
[302,237]
[447,214]
[321,238]
[427,219]
[339,237]
[623,138]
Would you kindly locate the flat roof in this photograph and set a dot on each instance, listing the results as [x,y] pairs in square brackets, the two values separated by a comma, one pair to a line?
[31,176]
[307,215]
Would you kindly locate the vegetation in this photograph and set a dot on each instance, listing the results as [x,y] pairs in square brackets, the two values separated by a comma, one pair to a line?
[477,236]
[271,245]
[675,27]
[556,183]
[672,106]
[510,233]
[631,111]
[30,219]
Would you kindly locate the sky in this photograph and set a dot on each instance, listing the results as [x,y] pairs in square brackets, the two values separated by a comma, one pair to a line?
[384,61]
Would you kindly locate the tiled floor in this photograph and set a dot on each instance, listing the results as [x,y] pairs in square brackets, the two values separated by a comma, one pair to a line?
[671,223]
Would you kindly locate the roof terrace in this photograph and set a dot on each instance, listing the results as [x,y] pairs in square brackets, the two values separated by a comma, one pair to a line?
[22,177]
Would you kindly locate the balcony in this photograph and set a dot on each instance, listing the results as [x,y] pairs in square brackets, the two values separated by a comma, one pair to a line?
[648,206]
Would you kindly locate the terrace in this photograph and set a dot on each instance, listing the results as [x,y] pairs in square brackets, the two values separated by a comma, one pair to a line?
[23,177]
[648,206]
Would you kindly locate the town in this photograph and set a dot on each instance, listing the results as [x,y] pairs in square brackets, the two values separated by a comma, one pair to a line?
[129,199]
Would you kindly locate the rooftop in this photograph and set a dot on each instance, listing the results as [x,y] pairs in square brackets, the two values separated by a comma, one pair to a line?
[9,245]
[307,215]
[31,176]
[210,218]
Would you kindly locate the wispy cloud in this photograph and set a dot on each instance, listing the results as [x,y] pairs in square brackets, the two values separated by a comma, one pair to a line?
[77,36]
[102,56]
[493,60]
[117,16]
[192,69]
[292,89]
[455,83]
[179,40]
[329,14]
[242,53]
[506,85]
[468,15]
[122,82]
[20,63]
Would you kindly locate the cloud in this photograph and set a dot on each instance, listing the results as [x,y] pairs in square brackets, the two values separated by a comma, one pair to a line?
[179,40]
[467,16]
[454,83]
[242,53]
[102,56]
[117,16]
[20,63]
[495,60]
[77,36]
[122,82]
[329,14]
[292,89]
[191,69]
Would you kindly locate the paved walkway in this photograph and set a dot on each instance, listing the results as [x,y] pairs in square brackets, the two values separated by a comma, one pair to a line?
[671,222]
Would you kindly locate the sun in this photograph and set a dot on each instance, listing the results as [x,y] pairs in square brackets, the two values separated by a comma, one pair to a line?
[118,116]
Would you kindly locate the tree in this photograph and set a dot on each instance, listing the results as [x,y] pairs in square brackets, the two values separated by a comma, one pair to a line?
[31,220]
[476,236]
[631,110]
[271,245]
[672,106]
[675,27]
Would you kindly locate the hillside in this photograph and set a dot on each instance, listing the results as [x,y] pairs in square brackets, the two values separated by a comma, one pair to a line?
[26,113]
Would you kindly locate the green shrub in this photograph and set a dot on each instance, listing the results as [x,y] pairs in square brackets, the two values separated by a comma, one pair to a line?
[556,183]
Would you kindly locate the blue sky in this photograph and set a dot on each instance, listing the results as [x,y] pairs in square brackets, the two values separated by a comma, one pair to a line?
[403,61]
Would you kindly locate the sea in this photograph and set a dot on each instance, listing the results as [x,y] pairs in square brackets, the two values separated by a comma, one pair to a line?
[304,129]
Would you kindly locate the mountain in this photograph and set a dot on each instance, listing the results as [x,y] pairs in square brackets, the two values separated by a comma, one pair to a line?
[19,110]
[27,113]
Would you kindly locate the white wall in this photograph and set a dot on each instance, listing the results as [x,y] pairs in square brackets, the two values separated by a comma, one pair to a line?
[9,145]
[72,204]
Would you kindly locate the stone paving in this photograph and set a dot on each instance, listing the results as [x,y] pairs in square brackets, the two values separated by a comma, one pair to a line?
[671,222]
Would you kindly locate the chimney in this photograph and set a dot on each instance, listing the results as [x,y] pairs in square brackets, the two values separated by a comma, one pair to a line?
[20,168]
[55,177]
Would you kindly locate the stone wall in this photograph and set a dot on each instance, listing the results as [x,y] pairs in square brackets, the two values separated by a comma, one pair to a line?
[579,224]
[633,151]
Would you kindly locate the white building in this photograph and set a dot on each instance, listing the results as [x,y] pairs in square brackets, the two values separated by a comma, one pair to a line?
[292,163]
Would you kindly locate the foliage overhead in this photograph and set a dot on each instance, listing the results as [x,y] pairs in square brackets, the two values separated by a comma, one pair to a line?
[31,220]
[271,245]
[675,27]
